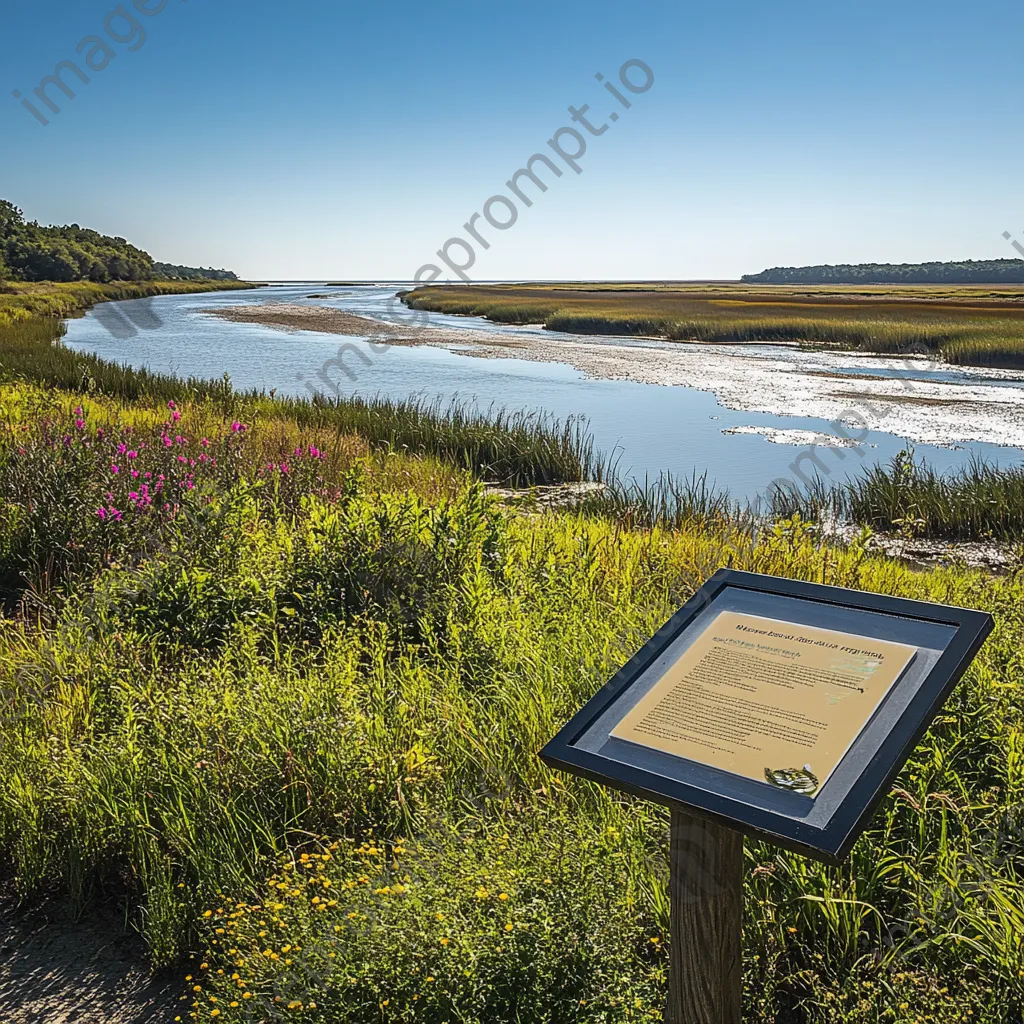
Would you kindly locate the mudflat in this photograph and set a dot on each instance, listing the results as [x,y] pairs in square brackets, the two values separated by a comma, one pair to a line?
[292,316]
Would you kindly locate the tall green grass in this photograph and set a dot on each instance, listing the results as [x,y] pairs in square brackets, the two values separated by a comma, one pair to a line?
[367,673]
[19,302]
[977,502]
[515,448]
[669,503]
[31,351]
[511,447]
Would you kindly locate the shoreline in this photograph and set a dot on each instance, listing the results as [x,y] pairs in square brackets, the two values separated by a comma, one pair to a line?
[22,300]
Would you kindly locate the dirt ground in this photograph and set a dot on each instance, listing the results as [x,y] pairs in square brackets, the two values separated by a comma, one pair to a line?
[58,970]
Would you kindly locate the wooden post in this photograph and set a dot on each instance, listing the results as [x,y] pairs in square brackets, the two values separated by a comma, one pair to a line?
[705,956]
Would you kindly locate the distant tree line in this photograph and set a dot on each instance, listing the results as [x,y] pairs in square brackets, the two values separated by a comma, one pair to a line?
[170,272]
[29,251]
[967,272]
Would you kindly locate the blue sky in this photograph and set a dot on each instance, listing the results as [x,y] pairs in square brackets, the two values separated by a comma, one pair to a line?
[352,140]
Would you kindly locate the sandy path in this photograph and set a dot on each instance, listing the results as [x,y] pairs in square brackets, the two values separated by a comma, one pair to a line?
[55,970]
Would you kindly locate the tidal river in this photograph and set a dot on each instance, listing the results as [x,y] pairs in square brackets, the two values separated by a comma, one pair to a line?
[744,415]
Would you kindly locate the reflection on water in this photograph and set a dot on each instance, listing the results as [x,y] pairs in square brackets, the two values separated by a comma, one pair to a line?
[647,428]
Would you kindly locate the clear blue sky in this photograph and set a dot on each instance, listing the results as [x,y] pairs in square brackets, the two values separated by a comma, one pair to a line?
[335,140]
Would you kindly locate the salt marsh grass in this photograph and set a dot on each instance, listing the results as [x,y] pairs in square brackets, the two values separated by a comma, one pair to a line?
[978,326]
[515,448]
[21,301]
[978,502]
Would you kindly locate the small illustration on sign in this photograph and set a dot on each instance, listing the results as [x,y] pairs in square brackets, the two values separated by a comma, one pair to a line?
[798,780]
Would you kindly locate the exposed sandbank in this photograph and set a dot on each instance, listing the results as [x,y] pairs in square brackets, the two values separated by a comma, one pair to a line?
[774,380]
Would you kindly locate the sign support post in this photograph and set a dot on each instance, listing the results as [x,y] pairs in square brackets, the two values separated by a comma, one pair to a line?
[706,907]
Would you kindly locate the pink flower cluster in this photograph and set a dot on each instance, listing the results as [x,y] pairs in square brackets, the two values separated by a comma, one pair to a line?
[154,491]
[283,468]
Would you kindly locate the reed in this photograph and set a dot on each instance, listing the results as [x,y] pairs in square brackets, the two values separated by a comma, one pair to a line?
[977,502]
[510,447]
[668,503]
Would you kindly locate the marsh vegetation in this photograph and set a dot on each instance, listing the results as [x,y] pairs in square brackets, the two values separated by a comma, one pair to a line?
[980,326]
[273,675]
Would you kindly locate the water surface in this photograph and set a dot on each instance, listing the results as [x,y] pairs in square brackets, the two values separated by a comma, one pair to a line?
[646,428]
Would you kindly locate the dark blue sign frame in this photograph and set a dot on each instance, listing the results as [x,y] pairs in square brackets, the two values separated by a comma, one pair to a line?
[826,826]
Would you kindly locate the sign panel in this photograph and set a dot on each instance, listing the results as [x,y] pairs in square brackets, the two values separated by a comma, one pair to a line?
[780,709]
[770,700]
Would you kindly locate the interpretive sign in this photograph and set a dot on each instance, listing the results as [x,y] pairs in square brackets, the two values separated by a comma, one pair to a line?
[755,696]
[781,709]
[769,708]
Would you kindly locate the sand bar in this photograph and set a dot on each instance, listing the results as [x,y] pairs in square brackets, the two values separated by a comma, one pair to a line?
[779,381]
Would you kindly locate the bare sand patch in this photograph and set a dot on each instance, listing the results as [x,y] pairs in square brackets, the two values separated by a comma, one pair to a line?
[293,317]
[55,969]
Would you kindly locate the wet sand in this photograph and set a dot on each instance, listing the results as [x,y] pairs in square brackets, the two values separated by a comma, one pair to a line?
[292,317]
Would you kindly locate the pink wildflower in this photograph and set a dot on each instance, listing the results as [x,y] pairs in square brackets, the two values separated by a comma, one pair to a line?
[115,469]
[236,427]
[101,512]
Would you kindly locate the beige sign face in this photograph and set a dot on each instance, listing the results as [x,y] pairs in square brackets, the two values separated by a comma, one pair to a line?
[769,700]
